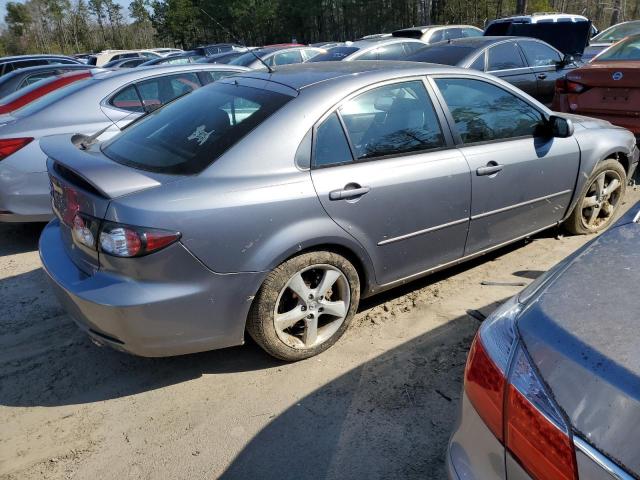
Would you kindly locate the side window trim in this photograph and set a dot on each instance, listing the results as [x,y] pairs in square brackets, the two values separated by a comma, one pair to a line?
[449,117]
[449,133]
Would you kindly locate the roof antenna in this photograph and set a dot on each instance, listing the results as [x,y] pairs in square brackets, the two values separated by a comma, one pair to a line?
[235,39]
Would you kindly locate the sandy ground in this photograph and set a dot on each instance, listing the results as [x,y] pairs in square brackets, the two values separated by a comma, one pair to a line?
[379,404]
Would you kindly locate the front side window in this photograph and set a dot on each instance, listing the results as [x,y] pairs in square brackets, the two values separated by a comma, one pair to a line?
[452,33]
[485,112]
[287,58]
[478,63]
[332,147]
[540,55]
[391,52]
[392,120]
[188,135]
[504,57]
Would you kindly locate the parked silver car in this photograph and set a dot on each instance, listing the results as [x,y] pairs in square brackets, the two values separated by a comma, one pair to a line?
[272,202]
[552,384]
[104,101]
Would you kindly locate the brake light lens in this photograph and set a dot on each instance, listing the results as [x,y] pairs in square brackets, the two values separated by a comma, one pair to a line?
[84,230]
[128,241]
[567,86]
[504,388]
[9,146]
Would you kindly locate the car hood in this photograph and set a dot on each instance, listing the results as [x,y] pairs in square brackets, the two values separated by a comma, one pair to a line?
[571,38]
[581,331]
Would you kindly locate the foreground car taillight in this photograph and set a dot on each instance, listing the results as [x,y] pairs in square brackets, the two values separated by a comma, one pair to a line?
[503,386]
[128,241]
[9,146]
[567,86]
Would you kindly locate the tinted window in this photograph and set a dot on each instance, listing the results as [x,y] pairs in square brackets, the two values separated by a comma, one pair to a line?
[437,36]
[451,33]
[504,57]
[33,63]
[478,63]
[444,54]
[617,32]
[391,52]
[393,119]
[127,99]
[186,136]
[209,77]
[540,55]
[471,32]
[309,53]
[412,47]
[485,112]
[331,147]
[36,77]
[628,49]
[161,90]
[334,54]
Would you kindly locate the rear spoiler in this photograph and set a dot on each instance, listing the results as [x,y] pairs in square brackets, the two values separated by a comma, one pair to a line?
[107,177]
[571,38]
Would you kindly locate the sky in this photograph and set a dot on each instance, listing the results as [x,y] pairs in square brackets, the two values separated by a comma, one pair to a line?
[3,7]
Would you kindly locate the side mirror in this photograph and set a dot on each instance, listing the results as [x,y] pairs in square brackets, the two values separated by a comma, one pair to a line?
[567,60]
[560,127]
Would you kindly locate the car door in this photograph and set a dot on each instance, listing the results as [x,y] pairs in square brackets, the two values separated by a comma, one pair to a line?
[546,63]
[505,61]
[385,171]
[522,180]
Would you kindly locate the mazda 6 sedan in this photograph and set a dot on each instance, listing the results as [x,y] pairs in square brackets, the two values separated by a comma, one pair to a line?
[271,202]
[552,382]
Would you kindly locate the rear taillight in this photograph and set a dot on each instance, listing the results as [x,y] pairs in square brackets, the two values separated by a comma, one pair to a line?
[505,390]
[128,241]
[567,86]
[9,146]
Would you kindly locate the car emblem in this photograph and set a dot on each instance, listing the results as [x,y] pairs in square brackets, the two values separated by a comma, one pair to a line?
[617,76]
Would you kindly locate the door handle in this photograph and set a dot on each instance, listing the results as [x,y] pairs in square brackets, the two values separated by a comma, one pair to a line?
[542,76]
[491,168]
[350,191]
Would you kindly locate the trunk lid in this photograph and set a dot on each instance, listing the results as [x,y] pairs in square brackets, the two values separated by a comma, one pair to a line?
[601,74]
[84,182]
[582,334]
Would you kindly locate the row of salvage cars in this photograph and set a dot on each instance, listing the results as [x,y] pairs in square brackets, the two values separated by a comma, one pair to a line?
[272,201]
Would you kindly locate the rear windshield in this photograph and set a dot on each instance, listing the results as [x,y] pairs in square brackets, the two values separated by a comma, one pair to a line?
[187,135]
[628,49]
[617,32]
[443,54]
[51,97]
[334,54]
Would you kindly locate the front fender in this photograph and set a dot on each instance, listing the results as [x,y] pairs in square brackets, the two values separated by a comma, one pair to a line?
[596,145]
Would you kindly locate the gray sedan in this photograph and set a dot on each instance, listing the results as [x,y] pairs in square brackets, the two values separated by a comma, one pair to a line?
[552,383]
[272,202]
[105,102]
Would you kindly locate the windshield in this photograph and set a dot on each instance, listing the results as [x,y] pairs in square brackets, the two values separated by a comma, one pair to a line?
[443,54]
[51,97]
[617,32]
[246,59]
[334,54]
[187,135]
[628,49]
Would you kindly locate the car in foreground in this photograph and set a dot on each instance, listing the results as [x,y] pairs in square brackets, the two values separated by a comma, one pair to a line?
[372,49]
[438,33]
[608,87]
[102,103]
[611,35]
[271,202]
[9,64]
[24,96]
[275,55]
[551,385]
[25,77]
[530,64]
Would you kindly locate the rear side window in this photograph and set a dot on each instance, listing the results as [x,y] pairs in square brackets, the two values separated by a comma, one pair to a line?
[485,112]
[127,99]
[331,147]
[36,77]
[286,58]
[504,57]
[188,135]
[154,92]
[208,77]
[392,120]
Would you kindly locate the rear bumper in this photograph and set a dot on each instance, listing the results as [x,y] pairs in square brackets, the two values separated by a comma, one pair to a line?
[186,309]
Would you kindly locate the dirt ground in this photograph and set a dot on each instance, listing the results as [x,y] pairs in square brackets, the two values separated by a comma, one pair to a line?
[378,405]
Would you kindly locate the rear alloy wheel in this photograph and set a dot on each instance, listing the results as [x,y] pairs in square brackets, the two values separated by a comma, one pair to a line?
[305,305]
[600,199]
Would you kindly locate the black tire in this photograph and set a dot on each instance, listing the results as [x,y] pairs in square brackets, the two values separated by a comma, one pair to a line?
[576,223]
[260,323]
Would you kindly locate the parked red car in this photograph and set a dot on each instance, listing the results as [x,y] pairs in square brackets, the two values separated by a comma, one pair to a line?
[28,94]
[608,87]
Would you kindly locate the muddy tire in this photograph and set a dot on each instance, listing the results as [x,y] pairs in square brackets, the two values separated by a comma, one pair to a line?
[599,200]
[305,305]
